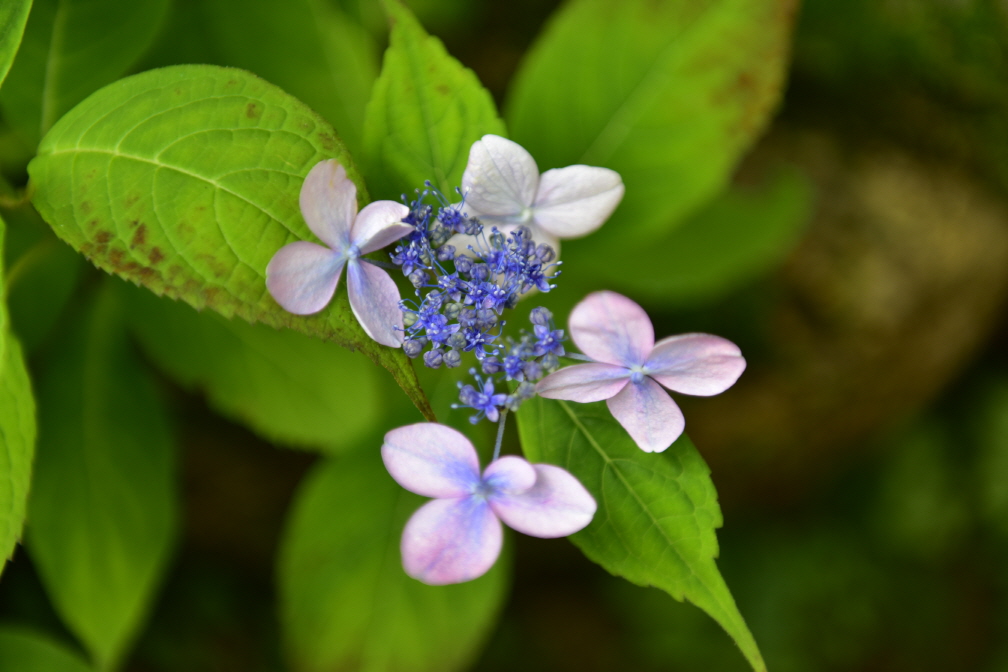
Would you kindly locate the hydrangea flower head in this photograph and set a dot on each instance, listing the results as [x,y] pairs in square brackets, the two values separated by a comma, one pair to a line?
[630,369]
[303,276]
[457,536]
[503,187]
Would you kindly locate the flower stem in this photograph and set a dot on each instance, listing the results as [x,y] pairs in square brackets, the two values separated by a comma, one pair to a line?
[578,356]
[500,434]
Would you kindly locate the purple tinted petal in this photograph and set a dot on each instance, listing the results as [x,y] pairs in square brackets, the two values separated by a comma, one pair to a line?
[374,299]
[648,414]
[574,201]
[451,541]
[431,460]
[698,364]
[500,179]
[379,224]
[557,505]
[611,328]
[584,382]
[509,474]
[329,203]
[302,276]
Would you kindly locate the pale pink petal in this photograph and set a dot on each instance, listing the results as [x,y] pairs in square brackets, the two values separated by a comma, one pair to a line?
[500,179]
[431,460]
[611,328]
[509,474]
[699,364]
[648,414]
[374,299]
[557,505]
[302,276]
[379,224]
[451,541]
[329,203]
[574,201]
[584,382]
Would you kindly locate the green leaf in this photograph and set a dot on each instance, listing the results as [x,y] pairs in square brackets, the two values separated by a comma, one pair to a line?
[24,650]
[71,48]
[17,431]
[103,506]
[425,112]
[186,180]
[736,237]
[290,388]
[667,93]
[657,512]
[309,48]
[13,16]
[346,602]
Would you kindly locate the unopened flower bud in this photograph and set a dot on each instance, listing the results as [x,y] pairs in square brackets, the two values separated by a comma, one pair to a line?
[446,253]
[463,264]
[540,316]
[432,359]
[545,253]
[452,358]
[418,278]
[412,347]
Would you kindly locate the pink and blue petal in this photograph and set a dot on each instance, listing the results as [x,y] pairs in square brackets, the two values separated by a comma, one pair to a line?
[509,474]
[431,460]
[557,505]
[584,383]
[329,203]
[303,276]
[699,364]
[648,414]
[379,224]
[374,299]
[451,541]
[612,329]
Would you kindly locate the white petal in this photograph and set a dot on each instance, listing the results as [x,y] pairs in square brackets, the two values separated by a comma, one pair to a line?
[610,328]
[302,276]
[500,179]
[329,203]
[379,224]
[451,541]
[557,505]
[374,299]
[648,413]
[574,201]
[431,460]
[699,364]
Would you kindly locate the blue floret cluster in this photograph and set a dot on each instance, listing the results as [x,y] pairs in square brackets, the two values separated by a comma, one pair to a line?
[462,295]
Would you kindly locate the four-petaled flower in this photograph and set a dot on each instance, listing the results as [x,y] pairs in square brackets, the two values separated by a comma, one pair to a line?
[302,276]
[503,187]
[628,366]
[457,536]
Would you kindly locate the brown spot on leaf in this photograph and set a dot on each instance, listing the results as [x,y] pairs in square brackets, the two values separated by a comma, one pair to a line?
[328,141]
[443,89]
[92,224]
[156,256]
[116,258]
[252,111]
[139,236]
[85,207]
[103,237]
[210,294]
[131,200]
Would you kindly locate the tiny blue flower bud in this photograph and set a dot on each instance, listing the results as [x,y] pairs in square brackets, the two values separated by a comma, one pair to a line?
[446,253]
[479,272]
[540,316]
[412,347]
[409,318]
[532,371]
[463,264]
[491,365]
[452,358]
[432,359]
[418,278]
[456,341]
[545,253]
[452,311]
[550,363]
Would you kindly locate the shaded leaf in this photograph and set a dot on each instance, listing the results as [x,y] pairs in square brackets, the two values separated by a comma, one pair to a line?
[657,512]
[289,388]
[17,433]
[425,112]
[70,49]
[309,48]
[25,650]
[667,93]
[103,507]
[186,180]
[13,16]
[346,602]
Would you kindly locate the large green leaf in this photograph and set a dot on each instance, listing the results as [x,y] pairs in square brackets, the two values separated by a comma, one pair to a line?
[346,603]
[24,650]
[17,432]
[667,93]
[309,48]
[290,388]
[657,512]
[103,505]
[13,16]
[425,112]
[734,238]
[186,180]
[71,48]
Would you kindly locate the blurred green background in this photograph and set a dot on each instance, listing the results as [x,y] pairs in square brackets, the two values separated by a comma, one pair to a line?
[862,460]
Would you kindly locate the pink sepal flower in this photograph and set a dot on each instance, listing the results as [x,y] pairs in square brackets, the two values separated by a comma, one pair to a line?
[457,536]
[303,276]
[630,369]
